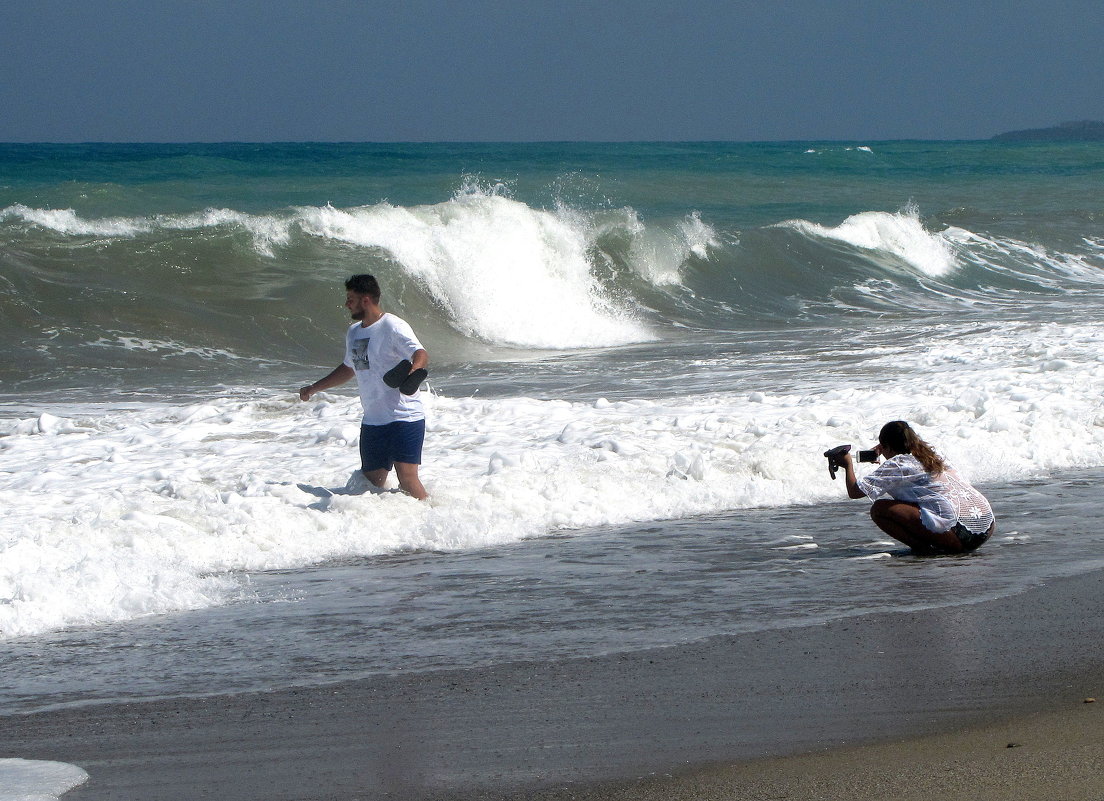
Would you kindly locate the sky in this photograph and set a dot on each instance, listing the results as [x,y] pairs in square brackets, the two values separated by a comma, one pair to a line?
[512,70]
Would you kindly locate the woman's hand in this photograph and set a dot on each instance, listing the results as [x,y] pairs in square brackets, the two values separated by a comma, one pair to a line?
[849,478]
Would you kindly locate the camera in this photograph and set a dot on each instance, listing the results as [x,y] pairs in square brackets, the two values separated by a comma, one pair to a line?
[835,458]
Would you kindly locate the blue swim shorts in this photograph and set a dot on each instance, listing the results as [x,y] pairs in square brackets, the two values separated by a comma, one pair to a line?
[382,446]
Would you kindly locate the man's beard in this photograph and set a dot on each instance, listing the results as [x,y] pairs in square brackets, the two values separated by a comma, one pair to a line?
[358,315]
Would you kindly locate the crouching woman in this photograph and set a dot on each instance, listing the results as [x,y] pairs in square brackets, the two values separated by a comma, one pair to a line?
[919,499]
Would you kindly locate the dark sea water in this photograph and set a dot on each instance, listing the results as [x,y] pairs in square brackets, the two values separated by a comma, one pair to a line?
[639,352]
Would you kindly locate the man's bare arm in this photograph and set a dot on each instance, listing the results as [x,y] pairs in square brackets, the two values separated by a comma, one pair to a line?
[339,375]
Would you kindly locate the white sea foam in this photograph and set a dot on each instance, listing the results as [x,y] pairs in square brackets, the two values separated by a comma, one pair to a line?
[66,221]
[112,513]
[167,349]
[37,780]
[656,254]
[1027,260]
[502,271]
[901,236]
[267,231]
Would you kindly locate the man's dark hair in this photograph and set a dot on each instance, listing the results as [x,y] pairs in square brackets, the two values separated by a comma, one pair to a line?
[364,284]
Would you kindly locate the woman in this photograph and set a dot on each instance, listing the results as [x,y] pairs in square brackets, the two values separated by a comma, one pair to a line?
[929,507]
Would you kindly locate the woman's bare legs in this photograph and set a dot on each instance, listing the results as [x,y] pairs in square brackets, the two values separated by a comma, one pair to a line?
[901,521]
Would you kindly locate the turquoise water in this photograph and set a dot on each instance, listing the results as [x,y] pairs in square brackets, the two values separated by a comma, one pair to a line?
[227,256]
[638,354]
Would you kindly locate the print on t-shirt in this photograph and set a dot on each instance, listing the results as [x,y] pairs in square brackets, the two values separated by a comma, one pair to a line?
[359,353]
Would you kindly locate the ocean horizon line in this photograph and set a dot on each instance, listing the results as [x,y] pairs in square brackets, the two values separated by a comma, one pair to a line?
[186,143]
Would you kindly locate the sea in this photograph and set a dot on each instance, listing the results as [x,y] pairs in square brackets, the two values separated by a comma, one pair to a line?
[638,355]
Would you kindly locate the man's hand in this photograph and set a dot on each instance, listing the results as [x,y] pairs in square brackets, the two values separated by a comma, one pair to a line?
[396,375]
[339,375]
[413,382]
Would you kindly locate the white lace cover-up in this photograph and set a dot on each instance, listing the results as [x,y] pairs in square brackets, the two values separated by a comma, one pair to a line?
[944,499]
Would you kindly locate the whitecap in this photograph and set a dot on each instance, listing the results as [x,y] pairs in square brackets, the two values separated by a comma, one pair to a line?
[900,236]
[502,271]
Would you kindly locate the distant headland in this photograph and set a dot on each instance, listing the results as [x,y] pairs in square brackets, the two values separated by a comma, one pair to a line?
[1080,131]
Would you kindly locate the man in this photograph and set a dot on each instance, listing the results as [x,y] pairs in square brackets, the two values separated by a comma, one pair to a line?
[389,363]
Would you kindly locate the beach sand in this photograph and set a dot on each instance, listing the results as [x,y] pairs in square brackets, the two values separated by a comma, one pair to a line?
[878,706]
[1058,755]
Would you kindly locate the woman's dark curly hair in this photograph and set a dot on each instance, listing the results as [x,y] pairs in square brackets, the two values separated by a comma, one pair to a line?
[899,437]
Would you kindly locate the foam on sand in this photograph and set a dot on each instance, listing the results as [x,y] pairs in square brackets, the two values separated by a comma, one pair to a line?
[36,780]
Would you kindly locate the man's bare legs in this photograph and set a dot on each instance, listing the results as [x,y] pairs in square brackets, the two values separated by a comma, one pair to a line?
[408,479]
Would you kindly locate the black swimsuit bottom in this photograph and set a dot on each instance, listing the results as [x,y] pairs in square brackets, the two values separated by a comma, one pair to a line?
[969,539]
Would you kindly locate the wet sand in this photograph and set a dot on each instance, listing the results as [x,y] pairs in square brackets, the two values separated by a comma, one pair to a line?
[694,721]
[1042,756]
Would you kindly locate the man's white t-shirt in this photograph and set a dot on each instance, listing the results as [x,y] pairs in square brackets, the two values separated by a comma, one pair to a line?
[373,350]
